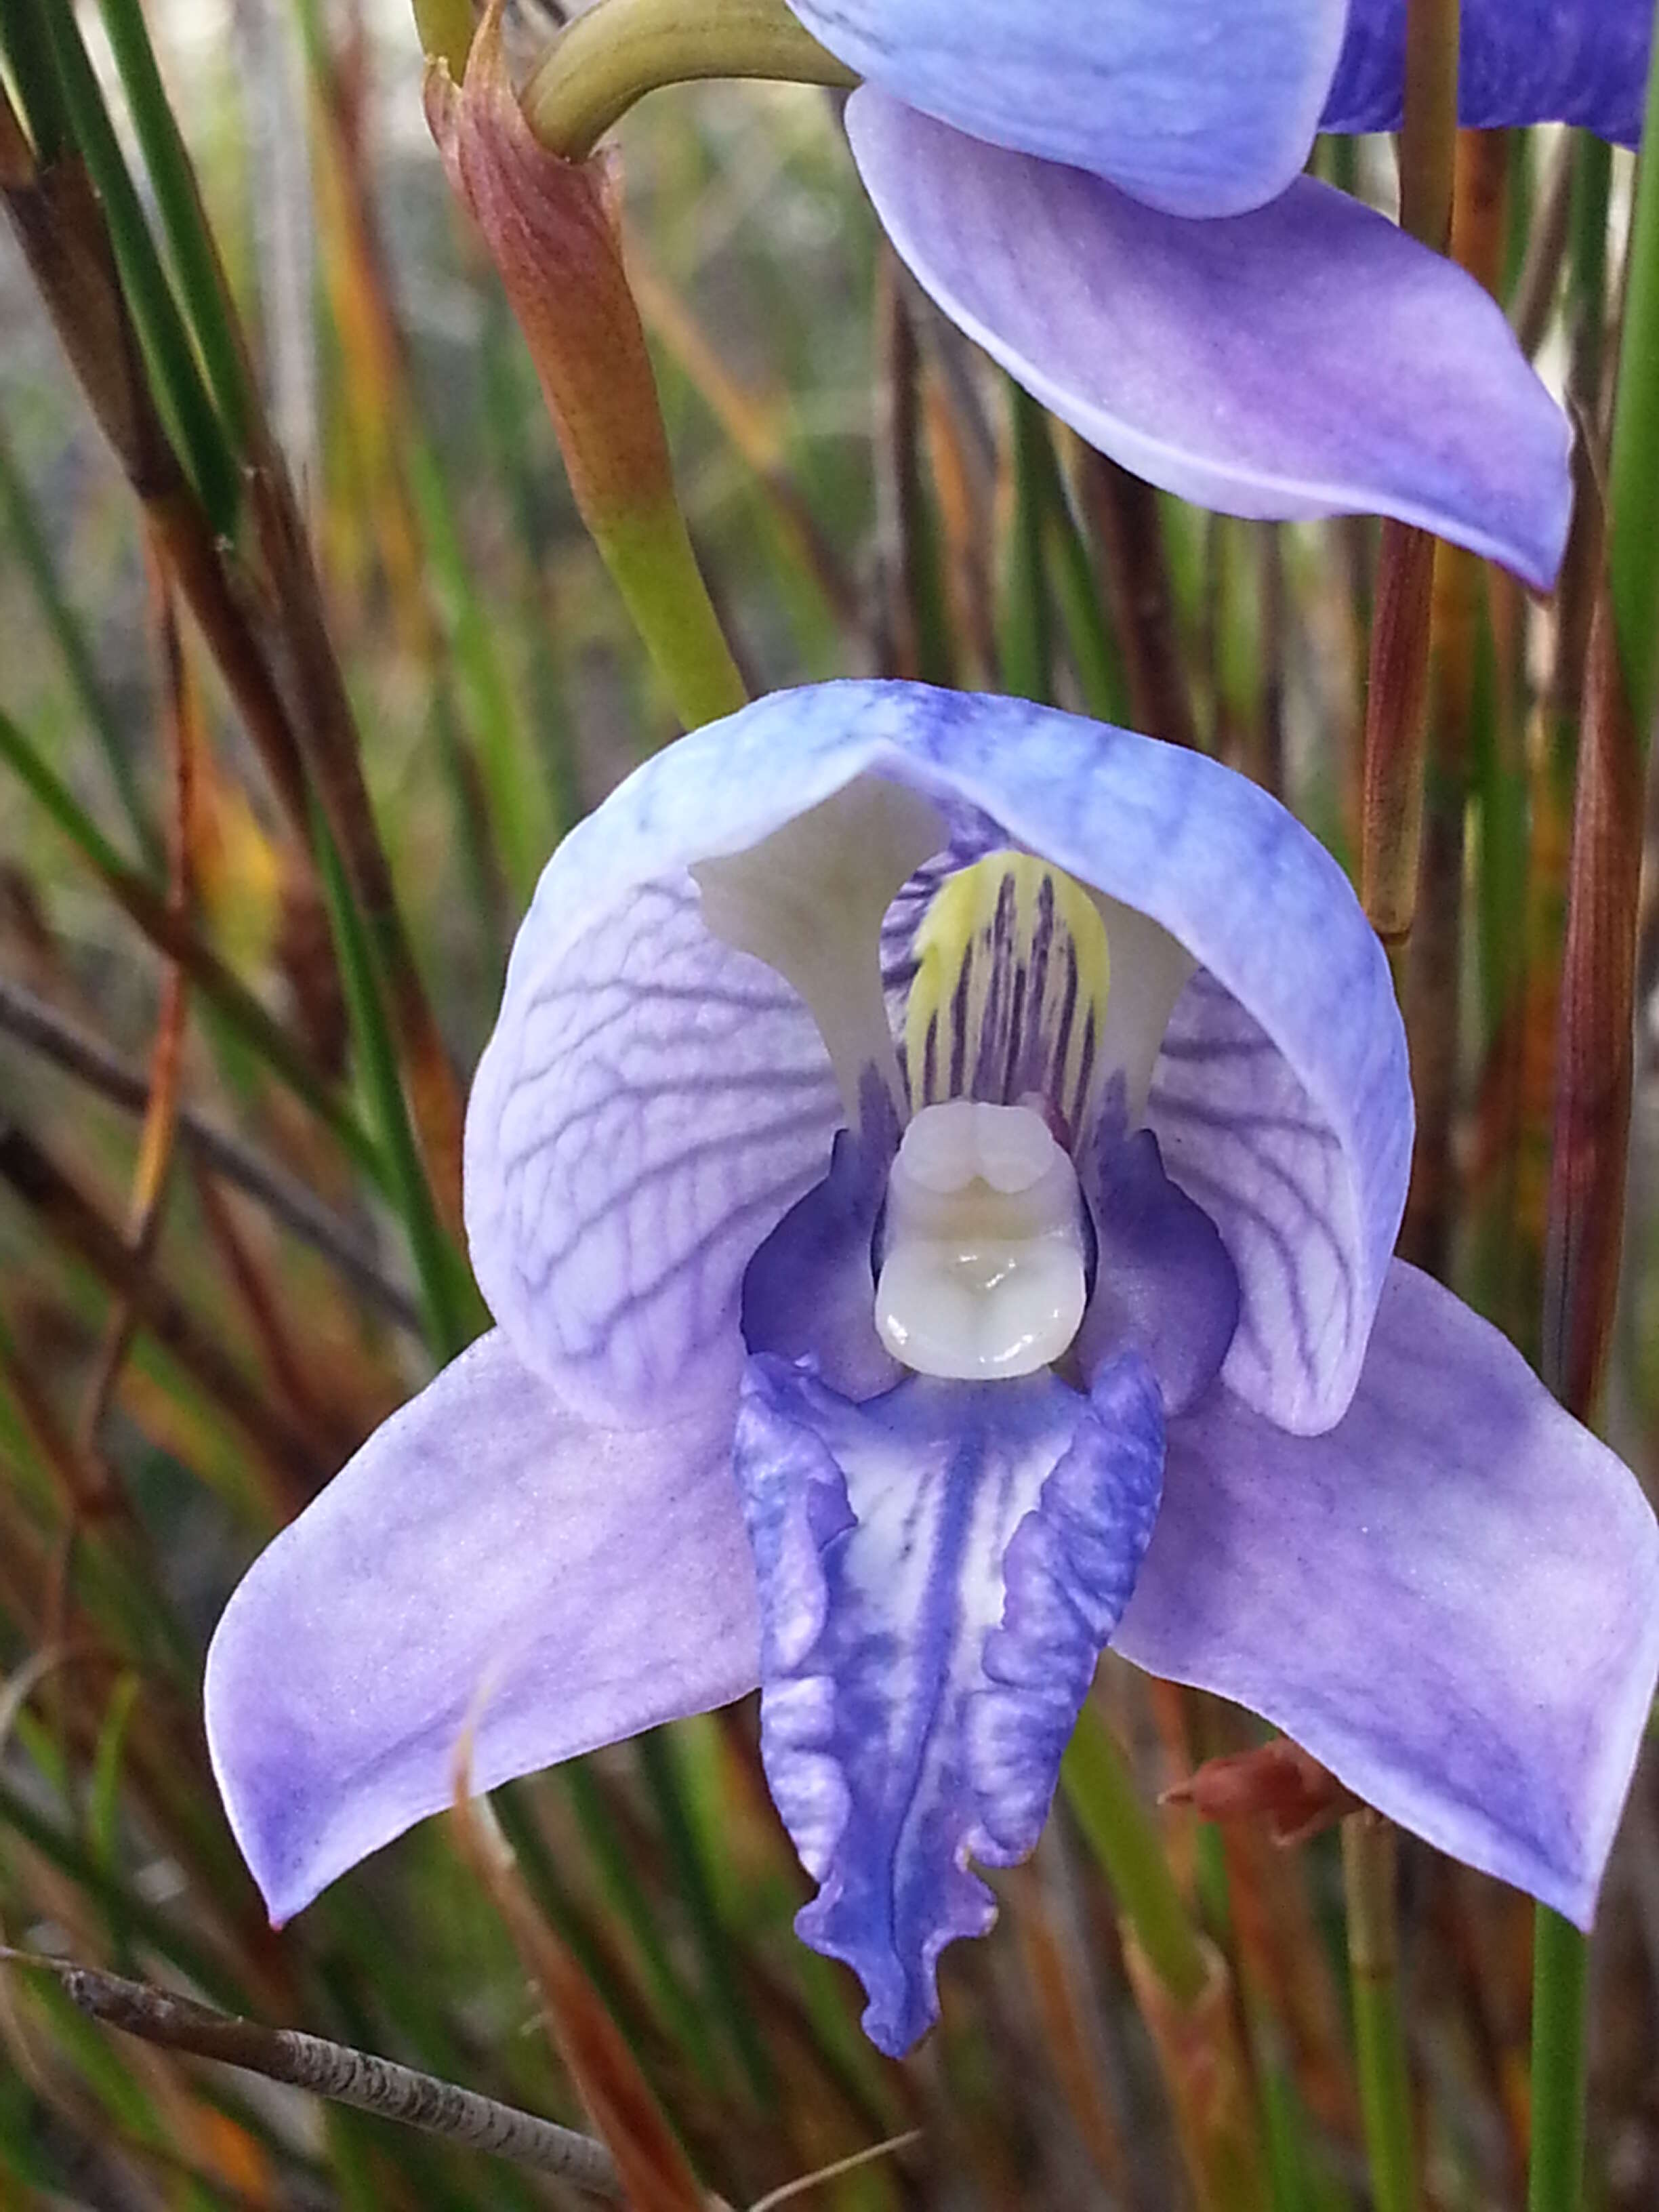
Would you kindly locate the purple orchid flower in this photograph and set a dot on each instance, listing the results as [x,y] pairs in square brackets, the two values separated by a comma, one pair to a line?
[935,1174]
[1039,164]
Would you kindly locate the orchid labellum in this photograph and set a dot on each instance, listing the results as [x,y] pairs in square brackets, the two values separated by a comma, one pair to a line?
[935,1176]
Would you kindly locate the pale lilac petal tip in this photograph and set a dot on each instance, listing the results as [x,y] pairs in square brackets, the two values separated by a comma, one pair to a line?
[1522,62]
[485,1562]
[938,1571]
[1451,1600]
[1202,106]
[1306,359]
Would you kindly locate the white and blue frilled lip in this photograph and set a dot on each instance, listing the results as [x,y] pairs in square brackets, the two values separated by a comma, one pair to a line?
[1282,1100]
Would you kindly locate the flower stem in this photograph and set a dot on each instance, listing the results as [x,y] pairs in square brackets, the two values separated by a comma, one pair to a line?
[1560,1991]
[1367,1876]
[616,52]
[552,229]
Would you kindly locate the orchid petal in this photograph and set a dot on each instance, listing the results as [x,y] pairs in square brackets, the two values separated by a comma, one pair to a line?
[1520,62]
[1164,1282]
[487,1569]
[1241,1137]
[1202,106]
[650,1105]
[1451,1600]
[1306,359]
[653,1103]
[938,1571]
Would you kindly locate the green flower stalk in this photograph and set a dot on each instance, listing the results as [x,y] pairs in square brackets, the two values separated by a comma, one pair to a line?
[552,230]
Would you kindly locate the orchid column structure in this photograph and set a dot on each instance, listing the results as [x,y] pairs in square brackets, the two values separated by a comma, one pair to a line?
[935,1176]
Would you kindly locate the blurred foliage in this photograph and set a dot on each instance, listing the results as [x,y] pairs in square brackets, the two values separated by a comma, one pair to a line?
[228,1082]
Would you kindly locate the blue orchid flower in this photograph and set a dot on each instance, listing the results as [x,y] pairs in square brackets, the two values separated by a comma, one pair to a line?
[1040,164]
[935,1176]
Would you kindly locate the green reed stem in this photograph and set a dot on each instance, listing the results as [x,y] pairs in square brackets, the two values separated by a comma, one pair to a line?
[1633,467]
[1095,658]
[1586,266]
[195,260]
[27,50]
[624,1891]
[1560,1991]
[18,504]
[1369,1855]
[1124,1837]
[1025,629]
[660,1766]
[517,794]
[160,326]
[453,1312]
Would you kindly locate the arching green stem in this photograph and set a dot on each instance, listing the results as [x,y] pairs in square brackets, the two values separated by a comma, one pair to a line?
[623,49]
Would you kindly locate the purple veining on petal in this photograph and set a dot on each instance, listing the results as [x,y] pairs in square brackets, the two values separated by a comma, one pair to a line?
[650,1106]
[486,1563]
[810,1291]
[1451,1598]
[1203,106]
[1227,361]
[939,1571]
[1210,857]
[1163,1283]
[1240,1136]
[1520,62]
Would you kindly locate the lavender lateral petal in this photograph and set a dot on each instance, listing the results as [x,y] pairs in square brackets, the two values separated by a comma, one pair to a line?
[1202,106]
[1520,62]
[1306,359]
[486,1564]
[1451,1600]
[1240,1135]
[1164,1284]
[650,1106]
[939,1571]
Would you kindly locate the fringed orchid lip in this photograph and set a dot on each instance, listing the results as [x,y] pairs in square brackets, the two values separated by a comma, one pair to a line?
[1271,1460]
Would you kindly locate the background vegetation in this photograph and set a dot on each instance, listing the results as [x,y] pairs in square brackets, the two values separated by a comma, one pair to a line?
[305,665]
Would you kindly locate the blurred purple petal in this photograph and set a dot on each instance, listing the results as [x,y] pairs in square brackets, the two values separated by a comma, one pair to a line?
[1521,60]
[938,1571]
[674,1132]
[1202,106]
[1451,1600]
[485,1562]
[1306,359]
[1163,1283]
